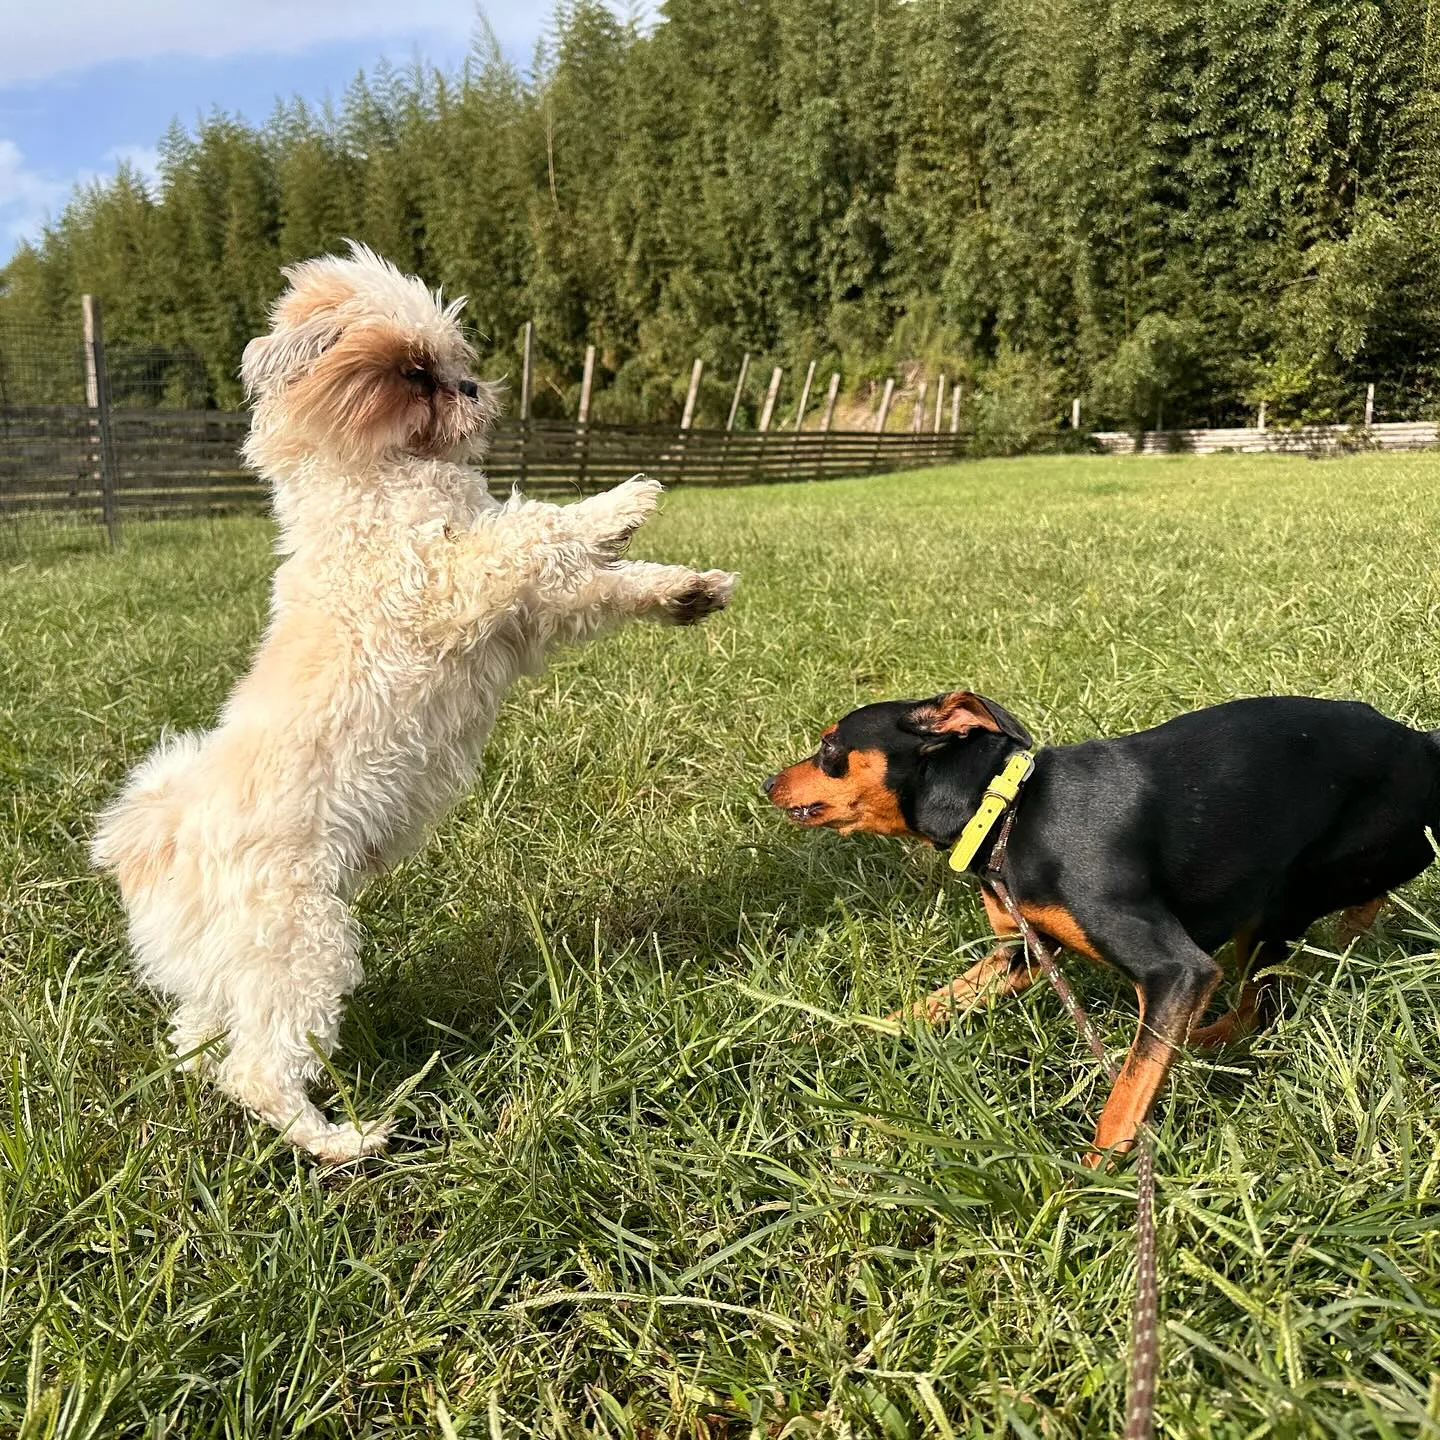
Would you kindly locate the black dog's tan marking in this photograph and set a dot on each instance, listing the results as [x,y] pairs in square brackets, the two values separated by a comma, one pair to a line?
[1244,822]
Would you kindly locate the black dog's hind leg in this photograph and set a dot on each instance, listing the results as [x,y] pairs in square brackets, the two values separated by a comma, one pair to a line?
[1259,1001]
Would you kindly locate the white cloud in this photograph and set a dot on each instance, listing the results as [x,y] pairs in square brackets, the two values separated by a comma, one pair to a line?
[27,198]
[44,40]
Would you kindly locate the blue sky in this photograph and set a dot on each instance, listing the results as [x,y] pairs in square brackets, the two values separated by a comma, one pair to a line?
[87,83]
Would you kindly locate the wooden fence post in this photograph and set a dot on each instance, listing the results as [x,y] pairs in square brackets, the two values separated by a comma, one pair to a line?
[1260,419]
[688,416]
[527,355]
[734,411]
[939,402]
[525,373]
[770,395]
[696,371]
[955,409]
[880,420]
[804,397]
[582,436]
[1075,413]
[739,387]
[97,397]
[1369,404]
[826,420]
[885,407]
[918,419]
[585,384]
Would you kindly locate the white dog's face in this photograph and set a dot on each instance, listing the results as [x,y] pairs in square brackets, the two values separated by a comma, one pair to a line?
[363,362]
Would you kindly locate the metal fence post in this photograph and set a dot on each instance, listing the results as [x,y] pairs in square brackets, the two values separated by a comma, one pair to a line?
[97,397]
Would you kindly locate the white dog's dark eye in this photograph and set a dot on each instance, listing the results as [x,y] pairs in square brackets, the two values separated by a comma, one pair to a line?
[418,377]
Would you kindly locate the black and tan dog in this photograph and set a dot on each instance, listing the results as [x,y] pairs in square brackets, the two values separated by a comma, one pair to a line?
[1244,822]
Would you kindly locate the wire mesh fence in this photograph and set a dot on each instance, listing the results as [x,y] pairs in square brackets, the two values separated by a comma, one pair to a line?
[40,365]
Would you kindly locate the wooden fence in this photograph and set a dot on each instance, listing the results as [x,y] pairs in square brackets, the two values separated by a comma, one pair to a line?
[58,458]
[1255,439]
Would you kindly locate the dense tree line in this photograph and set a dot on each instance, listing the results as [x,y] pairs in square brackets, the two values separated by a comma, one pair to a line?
[1171,207]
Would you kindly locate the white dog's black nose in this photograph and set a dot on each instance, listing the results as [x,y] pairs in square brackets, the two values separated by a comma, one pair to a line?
[468,388]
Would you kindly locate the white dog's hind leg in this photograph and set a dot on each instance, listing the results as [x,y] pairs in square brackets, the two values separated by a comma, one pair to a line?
[193,1025]
[287,1002]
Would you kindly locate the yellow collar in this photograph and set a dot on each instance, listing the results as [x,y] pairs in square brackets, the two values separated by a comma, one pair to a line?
[999,795]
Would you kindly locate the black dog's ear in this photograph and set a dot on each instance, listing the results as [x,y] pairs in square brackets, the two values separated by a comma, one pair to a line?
[1008,724]
[958,713]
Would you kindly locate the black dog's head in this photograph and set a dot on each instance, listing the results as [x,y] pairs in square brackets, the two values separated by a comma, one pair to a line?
[902,767]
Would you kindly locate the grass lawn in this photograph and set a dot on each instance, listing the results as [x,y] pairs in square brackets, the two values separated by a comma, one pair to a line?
[665,1175]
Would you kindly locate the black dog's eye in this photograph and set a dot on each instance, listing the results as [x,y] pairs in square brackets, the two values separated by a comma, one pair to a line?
[833,760]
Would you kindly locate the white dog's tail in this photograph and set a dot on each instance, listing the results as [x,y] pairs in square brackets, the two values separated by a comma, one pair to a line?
[136,835]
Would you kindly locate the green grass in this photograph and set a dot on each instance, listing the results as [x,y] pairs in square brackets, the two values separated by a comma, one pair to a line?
[664,1175]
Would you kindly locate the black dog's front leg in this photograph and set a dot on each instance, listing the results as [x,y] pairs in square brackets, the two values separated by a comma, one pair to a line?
[1004,971]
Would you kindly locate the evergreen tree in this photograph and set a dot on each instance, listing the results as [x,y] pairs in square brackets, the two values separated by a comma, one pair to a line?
[1191,205]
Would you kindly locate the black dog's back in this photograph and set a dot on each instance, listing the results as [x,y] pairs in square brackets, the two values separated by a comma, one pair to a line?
[1259,815]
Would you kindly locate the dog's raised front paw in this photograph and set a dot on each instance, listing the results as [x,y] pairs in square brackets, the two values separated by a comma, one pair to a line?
[702,595]
[607,521]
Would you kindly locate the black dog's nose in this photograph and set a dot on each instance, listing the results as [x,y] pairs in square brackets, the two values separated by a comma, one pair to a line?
[768,784]
[469,389]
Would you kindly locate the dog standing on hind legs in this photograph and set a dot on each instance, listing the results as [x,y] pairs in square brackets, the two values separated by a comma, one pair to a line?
[407,602]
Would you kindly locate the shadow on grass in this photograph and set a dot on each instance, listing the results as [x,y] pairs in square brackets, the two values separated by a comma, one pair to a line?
[451,996]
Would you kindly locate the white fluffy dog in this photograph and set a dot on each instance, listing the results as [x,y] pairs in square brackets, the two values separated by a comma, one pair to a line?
[407,602]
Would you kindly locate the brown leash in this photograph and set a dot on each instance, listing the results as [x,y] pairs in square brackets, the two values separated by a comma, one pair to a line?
[1145,1321]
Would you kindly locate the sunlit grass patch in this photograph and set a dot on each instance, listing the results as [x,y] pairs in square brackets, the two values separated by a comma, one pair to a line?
[666,1175]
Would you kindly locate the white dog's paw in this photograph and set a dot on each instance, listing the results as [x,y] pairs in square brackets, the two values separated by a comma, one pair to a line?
[195,1042]
[608,520]
[339,1143]
[701,595]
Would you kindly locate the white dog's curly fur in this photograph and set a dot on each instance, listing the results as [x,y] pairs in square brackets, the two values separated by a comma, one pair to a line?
[407,602]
